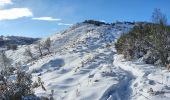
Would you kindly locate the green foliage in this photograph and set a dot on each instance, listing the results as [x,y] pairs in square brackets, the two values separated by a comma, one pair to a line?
[15,85]
[143,39]
[150,41]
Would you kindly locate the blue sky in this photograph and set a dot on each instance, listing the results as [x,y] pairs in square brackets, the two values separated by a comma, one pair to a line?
[41,18]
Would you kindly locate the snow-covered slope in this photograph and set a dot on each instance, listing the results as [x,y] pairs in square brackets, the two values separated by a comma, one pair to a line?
[146,77]
[84,65]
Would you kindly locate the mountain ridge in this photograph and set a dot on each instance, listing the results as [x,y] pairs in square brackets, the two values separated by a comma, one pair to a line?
[16,40]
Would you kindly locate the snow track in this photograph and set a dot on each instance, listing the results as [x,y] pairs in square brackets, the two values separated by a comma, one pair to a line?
[120,91]
[145,77]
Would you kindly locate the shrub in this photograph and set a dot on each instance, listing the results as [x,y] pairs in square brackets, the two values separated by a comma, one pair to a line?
[97,23]
[149,40]
[12,47]
[15,86]
[4,60]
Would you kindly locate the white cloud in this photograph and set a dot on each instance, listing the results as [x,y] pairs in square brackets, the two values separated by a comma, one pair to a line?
[5,2]
[65,24]
[15,13]
[46,19]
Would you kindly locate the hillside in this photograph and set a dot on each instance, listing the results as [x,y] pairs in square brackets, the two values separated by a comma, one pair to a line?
[84,65]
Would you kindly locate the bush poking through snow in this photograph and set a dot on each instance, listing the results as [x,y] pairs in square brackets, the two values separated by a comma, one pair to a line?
[41,83]
[14,86]
[168,66]
[51,95]
[4,60]
[35,85]
[77,92]
[149,41]
[151,92]
[12,47]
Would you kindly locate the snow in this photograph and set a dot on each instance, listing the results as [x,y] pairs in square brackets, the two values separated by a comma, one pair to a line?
[146,76]
[84,65]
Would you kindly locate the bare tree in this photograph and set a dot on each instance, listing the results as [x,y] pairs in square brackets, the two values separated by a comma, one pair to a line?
[158,17]
[160,36]
[39,47]
[47,44]
[28,52]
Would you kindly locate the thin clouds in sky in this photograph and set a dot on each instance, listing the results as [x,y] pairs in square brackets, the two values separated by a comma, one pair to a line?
[46,19]
[65,24]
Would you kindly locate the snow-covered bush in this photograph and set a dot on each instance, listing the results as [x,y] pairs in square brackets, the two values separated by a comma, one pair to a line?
[4,60]
[14,81]
[150,41]
[15,84]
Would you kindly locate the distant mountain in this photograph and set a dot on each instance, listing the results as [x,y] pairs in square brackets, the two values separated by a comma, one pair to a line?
[17,40]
